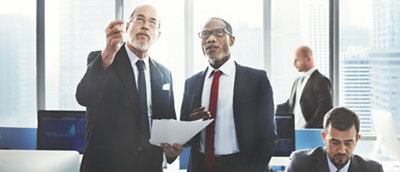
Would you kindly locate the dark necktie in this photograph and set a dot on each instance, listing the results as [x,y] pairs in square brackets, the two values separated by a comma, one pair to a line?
[144,117]
[210,131]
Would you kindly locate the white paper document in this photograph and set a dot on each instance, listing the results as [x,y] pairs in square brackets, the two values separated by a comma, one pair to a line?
[173,131]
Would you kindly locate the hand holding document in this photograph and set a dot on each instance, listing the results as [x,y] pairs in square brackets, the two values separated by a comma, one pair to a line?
[173,131]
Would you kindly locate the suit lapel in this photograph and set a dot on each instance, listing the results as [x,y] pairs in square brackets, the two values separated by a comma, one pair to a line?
[321,161]
[353,165]
[195,100]
[123,68]
[292,99]
[239,83]
[156,78]
[199,84]
[309,82]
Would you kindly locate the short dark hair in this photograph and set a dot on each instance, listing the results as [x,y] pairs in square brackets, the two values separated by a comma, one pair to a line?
[342,119]
[228,26]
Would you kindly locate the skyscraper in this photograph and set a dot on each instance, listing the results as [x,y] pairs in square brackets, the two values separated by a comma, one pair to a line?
[317,33]
[80,30]
[354,85]
[385,77]
[385,57]
[17,71]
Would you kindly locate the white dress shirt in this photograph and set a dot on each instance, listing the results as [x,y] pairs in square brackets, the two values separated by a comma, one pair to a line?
[332,168]
[300,121]
[133,58]
[225,140]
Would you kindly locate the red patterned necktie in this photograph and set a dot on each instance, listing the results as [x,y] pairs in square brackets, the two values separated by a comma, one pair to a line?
[210,131]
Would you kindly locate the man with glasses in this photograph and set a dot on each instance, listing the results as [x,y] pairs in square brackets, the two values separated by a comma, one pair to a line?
[123,89]
[238,98]
[340,135]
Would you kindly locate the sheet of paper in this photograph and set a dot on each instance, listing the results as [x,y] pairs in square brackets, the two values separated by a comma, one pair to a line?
[173,131]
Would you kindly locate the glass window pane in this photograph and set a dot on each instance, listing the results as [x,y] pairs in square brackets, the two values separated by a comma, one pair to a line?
[303,22]
[18,64]
[370,58]
[73,29]
[246,21]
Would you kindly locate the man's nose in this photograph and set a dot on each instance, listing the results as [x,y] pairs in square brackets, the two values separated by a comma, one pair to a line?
[145,26]
[211,38]
[342,149]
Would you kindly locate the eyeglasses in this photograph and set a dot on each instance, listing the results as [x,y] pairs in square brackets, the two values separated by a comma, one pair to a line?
[216,32]
[142,20]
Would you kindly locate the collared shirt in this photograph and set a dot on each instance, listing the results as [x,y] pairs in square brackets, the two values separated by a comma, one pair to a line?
[225,140]
[300,121]
[133,58]
[332,167]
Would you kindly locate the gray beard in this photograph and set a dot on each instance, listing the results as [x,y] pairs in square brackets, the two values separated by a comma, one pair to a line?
[141,46]
[217,59]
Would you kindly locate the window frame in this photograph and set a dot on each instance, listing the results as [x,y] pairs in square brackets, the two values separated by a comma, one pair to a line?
[188,51]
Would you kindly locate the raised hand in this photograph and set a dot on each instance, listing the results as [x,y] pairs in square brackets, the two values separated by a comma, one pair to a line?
[114,35]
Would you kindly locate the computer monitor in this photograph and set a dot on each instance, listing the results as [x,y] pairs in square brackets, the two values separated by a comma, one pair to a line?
[61,130]
[39,161]
[387,141]
[309,138]
[285,142]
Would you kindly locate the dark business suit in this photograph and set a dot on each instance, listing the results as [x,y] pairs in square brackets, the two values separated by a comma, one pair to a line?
[315,101]
[315,160]
[253,115]
[113,115]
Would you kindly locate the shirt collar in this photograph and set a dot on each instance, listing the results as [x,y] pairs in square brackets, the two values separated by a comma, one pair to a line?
[309,72]
[227,68]
[134,58]
[332,168]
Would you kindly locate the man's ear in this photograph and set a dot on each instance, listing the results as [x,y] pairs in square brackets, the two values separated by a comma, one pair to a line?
[231,41]
[127,26]
[158,35]
[358,137]
[323,136]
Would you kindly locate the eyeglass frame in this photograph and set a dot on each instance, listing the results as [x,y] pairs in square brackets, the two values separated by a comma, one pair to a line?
[145,21]
[213,33]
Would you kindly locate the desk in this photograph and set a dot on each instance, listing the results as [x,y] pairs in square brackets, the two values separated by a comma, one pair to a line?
[279,161]
[39,160]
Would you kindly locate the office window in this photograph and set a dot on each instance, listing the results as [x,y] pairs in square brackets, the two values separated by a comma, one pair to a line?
[18,64]
[246,21]
[370,59]
[169,49]
[295,23]
[73,29]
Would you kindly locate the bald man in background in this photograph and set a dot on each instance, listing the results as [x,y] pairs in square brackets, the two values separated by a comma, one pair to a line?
[311,95]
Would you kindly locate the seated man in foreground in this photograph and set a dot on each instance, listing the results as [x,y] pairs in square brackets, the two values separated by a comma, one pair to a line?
[340,135]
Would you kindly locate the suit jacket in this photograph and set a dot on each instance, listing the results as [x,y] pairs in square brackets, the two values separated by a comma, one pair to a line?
[113,115]
[315,101]
[315,160]
[253,110]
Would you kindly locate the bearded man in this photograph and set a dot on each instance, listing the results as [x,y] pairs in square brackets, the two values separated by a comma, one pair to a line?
[123,90]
